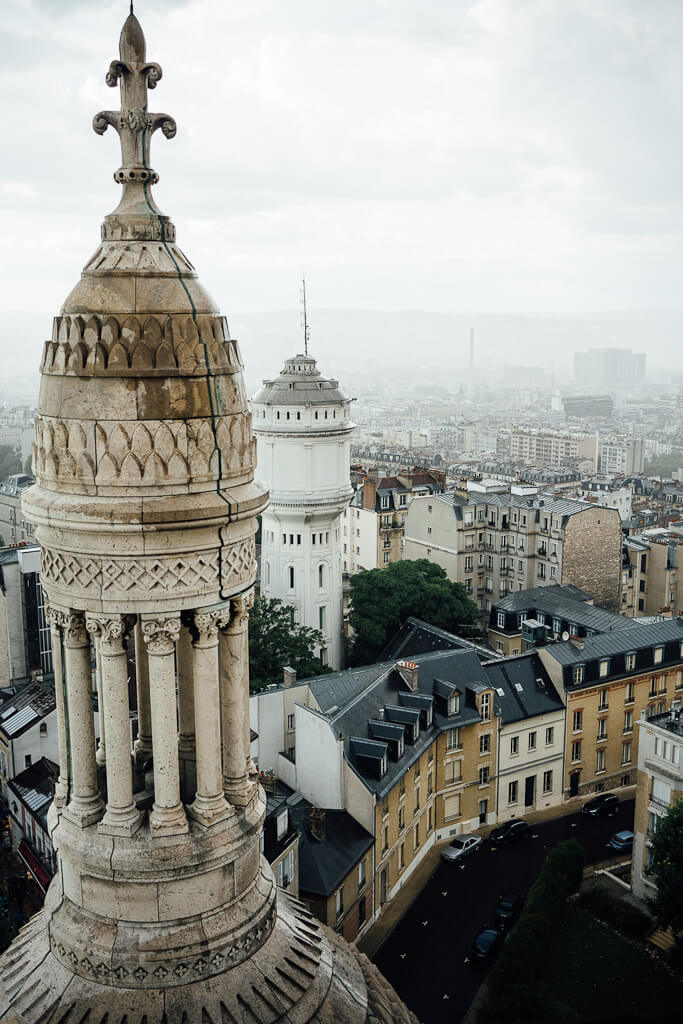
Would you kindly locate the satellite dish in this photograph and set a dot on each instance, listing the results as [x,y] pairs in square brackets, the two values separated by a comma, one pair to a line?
[565,635]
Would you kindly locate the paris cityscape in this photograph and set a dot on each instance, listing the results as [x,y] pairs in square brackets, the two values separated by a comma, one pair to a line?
[341,507]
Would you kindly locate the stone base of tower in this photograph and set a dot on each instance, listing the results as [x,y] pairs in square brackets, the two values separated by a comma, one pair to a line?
[302,972]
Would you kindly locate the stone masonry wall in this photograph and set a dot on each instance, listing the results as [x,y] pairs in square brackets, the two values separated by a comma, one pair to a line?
[591,557]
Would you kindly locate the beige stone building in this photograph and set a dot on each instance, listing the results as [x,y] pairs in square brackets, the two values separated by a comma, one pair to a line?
[548,448]
[608,681]
[659,785]
[499,540]
[651,578]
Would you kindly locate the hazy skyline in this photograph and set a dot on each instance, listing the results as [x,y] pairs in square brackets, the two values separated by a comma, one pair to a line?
[486,157]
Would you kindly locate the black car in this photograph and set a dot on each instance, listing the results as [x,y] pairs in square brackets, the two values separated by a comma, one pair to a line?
[603,803]
[508,908]
[487,944]
[508,832]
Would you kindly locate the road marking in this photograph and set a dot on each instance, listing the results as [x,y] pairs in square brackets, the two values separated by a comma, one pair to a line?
[444,892]
[425,923]
[403,956]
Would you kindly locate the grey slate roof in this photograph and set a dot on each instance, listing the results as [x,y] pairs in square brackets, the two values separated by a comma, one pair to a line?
[527,688]
[619,642]
[560,602]
[418,637]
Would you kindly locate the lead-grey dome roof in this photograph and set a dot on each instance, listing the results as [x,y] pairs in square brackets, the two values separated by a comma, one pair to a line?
[300,383]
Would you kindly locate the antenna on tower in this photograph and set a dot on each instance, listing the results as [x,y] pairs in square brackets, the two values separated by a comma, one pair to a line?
[304,319]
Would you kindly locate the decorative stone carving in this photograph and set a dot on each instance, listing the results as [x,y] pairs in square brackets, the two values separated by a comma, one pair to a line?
[161,635]
[111,629]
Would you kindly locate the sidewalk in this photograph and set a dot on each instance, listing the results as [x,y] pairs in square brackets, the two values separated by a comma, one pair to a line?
[393,911]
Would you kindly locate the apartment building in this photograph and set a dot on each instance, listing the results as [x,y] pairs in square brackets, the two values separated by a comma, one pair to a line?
[607,682]
[28,730]
[25,639]
[373,524]
[623,455]
[651,583]
[499,541]
[13,529]
[659,785]
[29,795]
[547,448]
[530,618]
[608,492]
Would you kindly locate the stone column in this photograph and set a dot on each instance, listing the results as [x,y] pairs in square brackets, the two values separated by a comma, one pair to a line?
[85,805]
[55,618]
[233,654]
[101,755]
[121,817]
[186,716]
[251,767]
[143,743]
[167,816]
[209,805]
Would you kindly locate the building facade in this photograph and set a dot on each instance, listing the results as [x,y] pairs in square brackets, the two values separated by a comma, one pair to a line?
[13,529]
[499,541]
[302,421]
[25,638]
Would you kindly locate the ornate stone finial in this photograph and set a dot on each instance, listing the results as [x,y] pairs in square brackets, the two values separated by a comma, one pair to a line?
[133,122]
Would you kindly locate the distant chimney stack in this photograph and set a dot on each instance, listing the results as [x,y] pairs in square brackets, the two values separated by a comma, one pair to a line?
[579,642]
[408,670]
[317,820]
[369,493]
[288,676]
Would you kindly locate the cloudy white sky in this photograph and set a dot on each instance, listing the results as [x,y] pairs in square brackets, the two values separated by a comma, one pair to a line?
[446,155]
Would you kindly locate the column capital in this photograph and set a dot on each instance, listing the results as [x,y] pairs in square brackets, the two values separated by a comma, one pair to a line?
[240,607]
[111,629]
[160,633]
[204,624]
[73,624]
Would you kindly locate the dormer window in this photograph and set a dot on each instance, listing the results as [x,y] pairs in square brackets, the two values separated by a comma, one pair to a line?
[604,667]
[402,499]
[385,501]
[485,707]
[577,674]
[658,654]
[500,619]
[282,822]
[454,704]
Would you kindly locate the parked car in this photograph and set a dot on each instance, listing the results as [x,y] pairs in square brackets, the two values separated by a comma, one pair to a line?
[622,842]
[462,846]
[508,909]
[487,945]
[603,803]
[509,831]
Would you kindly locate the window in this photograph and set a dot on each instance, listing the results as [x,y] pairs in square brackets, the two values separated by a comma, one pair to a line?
[532,740]
[653,687]
[452,773]
[486,707]
[291,577]
[600,761]
[453,739]
[662,684]
[547,782]
[468,568]
[282,823]
[361,874]
[285,869]
[630,662]
[577,674]
[401,856]
[321,617]
[577,722]
[514,745]
[626,752]
[604,667]
[27,760]
[385,806]
[416,800]
[549,735]
[500,619]
[485,744]
[43,728]
[576,750]
[629,693]
[416,837]
[602,729]
[658,654]
[339,902]
[628,721]
[451,807]
[603,703]
[321,576]
[386,557]
[401,818]
[430,784]
[290,722]
[484,772]
[385,839]
[430,819]
[512,792]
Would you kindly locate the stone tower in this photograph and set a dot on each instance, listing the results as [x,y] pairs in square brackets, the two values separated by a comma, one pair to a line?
[302,422]
[162,910]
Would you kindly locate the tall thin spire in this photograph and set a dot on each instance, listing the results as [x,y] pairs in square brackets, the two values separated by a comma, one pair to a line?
[304,318]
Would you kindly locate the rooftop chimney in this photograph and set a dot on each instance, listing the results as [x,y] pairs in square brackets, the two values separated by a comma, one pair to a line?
[369,493]
[317,820]
[288,676]
[408,670]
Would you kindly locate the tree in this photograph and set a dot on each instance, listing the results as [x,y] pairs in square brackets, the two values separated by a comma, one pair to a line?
[10,461]
[667,869]
[382,599]
[275,640]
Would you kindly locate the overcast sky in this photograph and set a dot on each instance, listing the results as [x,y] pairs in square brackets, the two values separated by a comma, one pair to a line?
[486,156]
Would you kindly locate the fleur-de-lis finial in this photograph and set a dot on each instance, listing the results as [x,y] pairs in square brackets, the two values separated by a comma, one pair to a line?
[133,122]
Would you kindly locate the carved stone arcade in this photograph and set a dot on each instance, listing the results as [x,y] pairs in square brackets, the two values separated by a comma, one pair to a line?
[145,507]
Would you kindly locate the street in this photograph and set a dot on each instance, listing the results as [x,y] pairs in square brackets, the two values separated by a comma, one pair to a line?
[424,958]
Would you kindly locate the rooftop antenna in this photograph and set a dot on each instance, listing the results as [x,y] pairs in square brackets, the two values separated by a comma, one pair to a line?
[304,319]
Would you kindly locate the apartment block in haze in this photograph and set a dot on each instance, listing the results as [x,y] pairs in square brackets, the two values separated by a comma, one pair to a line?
[496,540]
